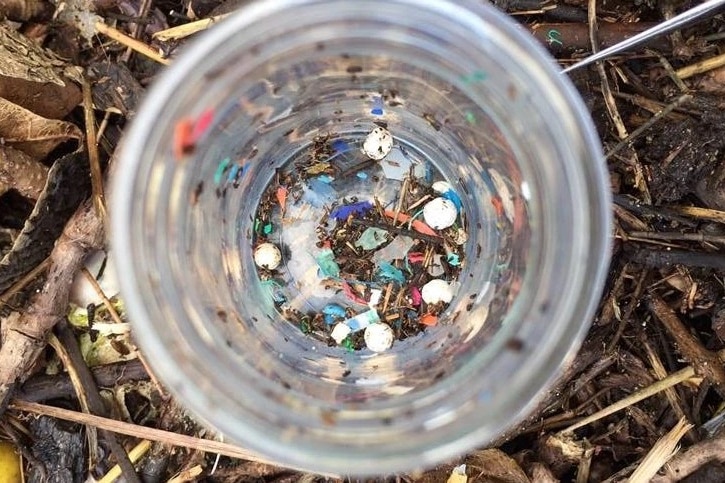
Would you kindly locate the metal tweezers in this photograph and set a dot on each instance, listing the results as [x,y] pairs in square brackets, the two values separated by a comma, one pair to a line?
[674,23]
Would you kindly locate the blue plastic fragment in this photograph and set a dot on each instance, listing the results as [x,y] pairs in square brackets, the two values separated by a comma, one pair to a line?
[318,193]
[454,198]
[233,173]
[326,261]
[388,273]
[327,179]
[332,312]
[342,212]
[340,146]
[362,175]
[361,321]
[377,109]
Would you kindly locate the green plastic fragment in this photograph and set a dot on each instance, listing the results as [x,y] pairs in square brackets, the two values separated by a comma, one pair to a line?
[372,238]
[326,261]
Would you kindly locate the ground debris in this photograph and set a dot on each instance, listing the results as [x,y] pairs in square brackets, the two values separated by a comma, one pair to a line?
[662,312]
[59,447]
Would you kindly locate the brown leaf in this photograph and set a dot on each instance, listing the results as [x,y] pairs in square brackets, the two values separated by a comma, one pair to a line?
[35,78]
[491,465]
[32,134]
[21,172]
[713,81]
[21,10]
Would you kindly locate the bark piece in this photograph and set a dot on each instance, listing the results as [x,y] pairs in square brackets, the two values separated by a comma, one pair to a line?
[25,338]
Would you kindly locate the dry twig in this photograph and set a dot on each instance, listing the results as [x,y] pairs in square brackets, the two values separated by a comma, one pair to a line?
[693,458]
[26,336]
[702,66]
[706,363]
[137,431]
[130,42]
[99,200]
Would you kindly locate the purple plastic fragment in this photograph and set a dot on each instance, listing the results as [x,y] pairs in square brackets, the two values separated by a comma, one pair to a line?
[342,212]
[340,146]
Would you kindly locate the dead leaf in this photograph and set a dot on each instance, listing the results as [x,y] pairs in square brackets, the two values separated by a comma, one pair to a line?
[36,78]
[491,465]
[713,81]
[32,134]
[20,172]
[114,88]
[68,183]
[541,474]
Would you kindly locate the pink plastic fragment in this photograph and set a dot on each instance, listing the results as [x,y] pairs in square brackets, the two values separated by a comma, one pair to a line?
[415,296]
[416,257]
[350,293]
[202,124]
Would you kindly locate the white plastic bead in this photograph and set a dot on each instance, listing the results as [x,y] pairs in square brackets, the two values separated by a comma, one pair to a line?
[378,143]
[267,256]
[379,337]
[440,213]
[436,291]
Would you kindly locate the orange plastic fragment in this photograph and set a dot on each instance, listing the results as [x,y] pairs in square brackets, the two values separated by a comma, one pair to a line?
[183,138]
[417,225]
[282,197]
[429,320]
[497,205]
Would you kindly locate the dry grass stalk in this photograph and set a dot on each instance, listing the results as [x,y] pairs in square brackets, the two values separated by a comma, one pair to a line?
[664,449]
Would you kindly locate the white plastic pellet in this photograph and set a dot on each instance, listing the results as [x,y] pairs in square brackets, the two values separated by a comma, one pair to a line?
[375,296]
[436,291]
[340,332]
[441,187]
[267,256]
[440,213]
[379,337]
[378,143]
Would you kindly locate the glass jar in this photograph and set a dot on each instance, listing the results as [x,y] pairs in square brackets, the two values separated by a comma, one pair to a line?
[468,98]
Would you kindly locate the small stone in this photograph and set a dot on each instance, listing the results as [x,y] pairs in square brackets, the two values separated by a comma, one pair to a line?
[440,213]
[267,256]
[378,143]
[379,337]
[437,291]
